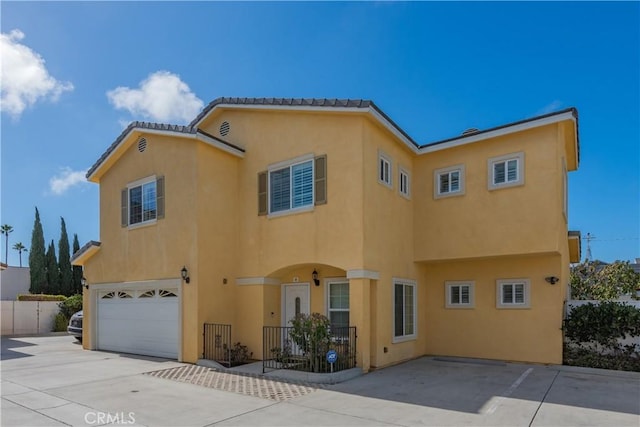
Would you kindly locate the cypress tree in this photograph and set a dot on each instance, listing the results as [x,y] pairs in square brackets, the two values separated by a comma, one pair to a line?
[77,270]
[37,261]
[64,261]
[53,274]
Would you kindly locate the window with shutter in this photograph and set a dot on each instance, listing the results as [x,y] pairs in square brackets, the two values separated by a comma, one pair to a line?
[506,171]
[513,293]
[448,181]
[460,294]
[293,186]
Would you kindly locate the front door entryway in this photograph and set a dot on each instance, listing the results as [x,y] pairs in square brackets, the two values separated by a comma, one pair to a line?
[295,300]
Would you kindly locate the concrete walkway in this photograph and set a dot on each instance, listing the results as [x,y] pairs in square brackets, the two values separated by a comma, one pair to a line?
[51,381]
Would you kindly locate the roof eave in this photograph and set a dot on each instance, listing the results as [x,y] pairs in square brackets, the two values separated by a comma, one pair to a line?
[85,252]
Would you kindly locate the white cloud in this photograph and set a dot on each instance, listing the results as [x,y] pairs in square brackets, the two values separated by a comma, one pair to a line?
[161,97]
[550,108]
[66,179]
[25,79]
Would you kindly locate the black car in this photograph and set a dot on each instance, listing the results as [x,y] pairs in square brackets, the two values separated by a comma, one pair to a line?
[75,325]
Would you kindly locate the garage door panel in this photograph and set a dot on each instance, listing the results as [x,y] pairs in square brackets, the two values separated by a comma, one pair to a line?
[139,325]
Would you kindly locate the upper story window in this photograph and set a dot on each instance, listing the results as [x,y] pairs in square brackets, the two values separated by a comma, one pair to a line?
[292,186]
[384,169]
[460,294]
[404,185]
[506,171]
[448,181]
[404,310]
[143,201]
[513,293]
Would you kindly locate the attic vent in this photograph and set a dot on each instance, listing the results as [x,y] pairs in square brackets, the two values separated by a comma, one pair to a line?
[142,144]
[224,129]
[470,131]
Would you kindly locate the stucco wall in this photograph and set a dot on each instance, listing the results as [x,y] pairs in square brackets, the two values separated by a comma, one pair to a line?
[13,282]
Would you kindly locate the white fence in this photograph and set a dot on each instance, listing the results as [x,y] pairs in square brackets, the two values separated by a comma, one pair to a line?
[28,317]
[636,303]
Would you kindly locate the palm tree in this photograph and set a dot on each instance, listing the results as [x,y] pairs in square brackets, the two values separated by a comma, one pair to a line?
[20,248]
[6,229]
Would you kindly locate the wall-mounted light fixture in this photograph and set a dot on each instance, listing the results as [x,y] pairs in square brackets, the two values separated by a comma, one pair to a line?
[83,282]
[185,274]
[552,279]
[314,275]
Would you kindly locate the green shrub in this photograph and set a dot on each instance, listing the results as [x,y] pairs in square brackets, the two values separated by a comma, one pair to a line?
[60,323]
[40,297]
[594,333]
[71,305]
[311,334]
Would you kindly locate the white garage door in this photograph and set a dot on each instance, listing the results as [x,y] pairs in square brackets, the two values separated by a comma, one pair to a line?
[140,320]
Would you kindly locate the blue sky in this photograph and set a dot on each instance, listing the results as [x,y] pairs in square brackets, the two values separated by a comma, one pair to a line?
[74,73]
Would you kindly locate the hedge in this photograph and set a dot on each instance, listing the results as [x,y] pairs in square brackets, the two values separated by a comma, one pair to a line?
[41,297]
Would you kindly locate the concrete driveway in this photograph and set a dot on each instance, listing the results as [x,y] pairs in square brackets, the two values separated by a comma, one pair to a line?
[51,381]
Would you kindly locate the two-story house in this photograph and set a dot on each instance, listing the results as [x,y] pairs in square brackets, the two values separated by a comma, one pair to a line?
[264,208]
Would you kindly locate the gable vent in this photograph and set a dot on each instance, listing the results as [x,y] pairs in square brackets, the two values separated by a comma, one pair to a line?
[142,144]
[470,131]
[225,128]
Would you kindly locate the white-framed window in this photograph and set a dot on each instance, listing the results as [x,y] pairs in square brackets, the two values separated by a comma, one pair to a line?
[404,183]
[291,186]
[143,202]
[338,302]
[404,310]
[460,294]
[506,171]
[513,293]
[448,181]
[384,169]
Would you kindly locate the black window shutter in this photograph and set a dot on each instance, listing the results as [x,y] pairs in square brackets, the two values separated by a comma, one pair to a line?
[160,197]
[320,180]
[262,193]
[124,210]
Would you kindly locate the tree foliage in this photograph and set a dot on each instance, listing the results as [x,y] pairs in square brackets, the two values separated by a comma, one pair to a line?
[77,270]
[20,248]
[6,229]
[37,260]
[64,261]
[53,274]
[592,280]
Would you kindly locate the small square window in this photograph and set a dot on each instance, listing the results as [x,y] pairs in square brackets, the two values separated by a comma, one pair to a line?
[460,294]
[448,181]
[384,169]
[506,171]
[513,293]
[404,185]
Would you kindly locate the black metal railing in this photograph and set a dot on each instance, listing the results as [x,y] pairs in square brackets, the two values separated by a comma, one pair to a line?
[281,351]
[217,343]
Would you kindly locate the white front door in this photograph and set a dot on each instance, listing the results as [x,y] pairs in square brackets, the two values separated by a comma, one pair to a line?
[296,301]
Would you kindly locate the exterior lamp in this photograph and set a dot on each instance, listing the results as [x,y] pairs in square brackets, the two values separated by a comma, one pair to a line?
[552,279]
[314,275]
[83,282]
[185,274]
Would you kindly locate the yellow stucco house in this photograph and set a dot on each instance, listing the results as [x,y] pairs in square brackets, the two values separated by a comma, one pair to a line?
[456,248]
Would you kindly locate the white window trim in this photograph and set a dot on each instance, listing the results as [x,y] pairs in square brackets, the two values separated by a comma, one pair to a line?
[327,282]
[436,182]
[527,294]
[140,183]
[288,164]
[407,282]
[383,156]
[500,159]
[472,294]
[403,171]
